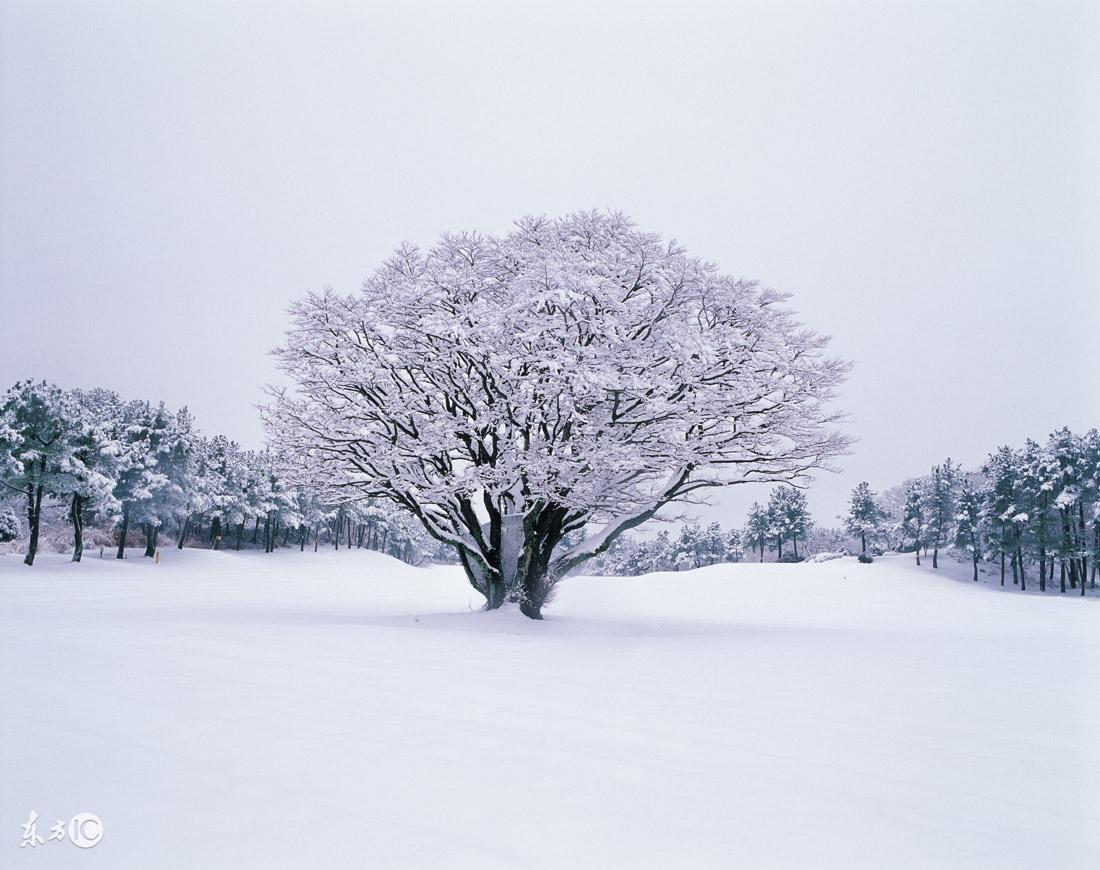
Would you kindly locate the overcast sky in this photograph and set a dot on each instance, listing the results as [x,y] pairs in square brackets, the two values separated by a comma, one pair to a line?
[923,177]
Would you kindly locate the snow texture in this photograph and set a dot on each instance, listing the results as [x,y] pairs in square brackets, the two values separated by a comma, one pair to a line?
[347,710]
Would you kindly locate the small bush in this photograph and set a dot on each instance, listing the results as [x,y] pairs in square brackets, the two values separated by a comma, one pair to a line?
[9,526]
[790,557]
[865,559]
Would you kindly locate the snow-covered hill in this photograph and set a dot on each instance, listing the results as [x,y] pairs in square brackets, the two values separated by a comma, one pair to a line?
[345,710]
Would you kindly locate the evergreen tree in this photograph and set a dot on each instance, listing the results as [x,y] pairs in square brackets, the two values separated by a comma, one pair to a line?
[913,517]
[757,529]
[39,420]
[864,517]
[1001,472]
[941,489]
[968,523]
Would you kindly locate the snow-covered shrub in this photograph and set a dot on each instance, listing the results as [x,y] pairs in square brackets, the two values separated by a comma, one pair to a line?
[865,559]
[10,529]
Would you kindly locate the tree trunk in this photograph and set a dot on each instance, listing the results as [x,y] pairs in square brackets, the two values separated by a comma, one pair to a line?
[303,536]
[256,530]
[184,532]
[150,539]
[1042,546]
[974,555]
[1082,539]
[936,556]
[77,513]
[863,541]
[240,533]
[1002,549]
[122,531]
[35,491]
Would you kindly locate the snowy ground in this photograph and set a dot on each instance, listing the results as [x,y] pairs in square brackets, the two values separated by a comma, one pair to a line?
[344,710]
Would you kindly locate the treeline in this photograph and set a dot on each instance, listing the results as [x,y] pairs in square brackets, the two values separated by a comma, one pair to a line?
[89,460]
[1032,512]
[694,546]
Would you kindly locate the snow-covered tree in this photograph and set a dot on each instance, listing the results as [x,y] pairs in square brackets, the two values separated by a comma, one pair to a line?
[913,517]
[941,487]
[153,449]
[578,371]
[788,518]
[865,517]
[969,523]
[733,551]
[38,450]
[757,532]
[1001,472]
[92,463]
[9,525]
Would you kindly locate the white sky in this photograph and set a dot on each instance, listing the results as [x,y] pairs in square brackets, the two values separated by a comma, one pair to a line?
[924,177]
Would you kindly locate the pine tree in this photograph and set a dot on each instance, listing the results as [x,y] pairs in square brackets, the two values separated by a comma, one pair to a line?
[757,529]
[39,421]
[940,492]
[1001,471]
[968,523]
[865,517]
[913,517]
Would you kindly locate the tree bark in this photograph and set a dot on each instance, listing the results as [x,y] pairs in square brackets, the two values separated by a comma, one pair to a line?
[1002,549]
[123,530]
[1083,545]
[184,532]
[34,509]
[77,512]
